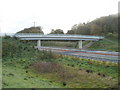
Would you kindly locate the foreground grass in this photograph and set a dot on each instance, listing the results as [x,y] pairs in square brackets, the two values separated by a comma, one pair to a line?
[15,76]
[20,74]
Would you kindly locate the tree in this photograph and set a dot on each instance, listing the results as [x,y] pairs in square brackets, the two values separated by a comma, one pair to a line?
[96,29]
[99,26]
[74,27]
[52,31]
[82,29]
[70,32]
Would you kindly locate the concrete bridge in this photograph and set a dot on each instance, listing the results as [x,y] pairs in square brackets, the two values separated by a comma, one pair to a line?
[58,37]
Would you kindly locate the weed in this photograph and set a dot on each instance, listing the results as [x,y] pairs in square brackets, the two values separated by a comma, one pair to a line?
[25,78]
[64,83]
[89,71]
[26,71]
[102,75]
[11,74]
[25,67]
[72,65]
[5,84]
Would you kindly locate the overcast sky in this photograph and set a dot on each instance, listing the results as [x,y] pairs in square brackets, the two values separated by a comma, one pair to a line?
[15,15]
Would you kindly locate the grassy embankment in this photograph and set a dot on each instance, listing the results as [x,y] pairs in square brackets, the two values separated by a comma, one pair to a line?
[25,67]
[108,44]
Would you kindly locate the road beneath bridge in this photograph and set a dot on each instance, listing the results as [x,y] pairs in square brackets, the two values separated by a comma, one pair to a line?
[95,55]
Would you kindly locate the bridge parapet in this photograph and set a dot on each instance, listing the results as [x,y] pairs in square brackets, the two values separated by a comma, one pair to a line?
[21,35]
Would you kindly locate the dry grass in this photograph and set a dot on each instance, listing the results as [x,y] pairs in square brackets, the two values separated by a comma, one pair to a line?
[50,67]
[46,67]
[71,77]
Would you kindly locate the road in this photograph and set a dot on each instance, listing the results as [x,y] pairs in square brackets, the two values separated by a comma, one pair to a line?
[95,55]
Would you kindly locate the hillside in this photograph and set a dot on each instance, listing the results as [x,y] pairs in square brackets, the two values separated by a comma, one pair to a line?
[104,45]
[100,26]
[32,30]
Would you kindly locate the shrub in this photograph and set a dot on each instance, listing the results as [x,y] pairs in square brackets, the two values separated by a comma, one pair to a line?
[64,83]
[72,65]
[109,35]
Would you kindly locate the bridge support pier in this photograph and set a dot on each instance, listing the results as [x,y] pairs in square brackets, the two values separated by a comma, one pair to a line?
[80,44]
[39,43]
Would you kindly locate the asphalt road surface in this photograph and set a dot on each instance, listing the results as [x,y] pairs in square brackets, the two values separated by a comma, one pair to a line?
[95,55]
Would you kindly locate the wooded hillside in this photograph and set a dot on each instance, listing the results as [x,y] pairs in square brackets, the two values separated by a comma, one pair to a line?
[100,26]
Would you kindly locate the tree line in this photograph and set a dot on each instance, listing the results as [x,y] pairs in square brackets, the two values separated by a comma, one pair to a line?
[100,26]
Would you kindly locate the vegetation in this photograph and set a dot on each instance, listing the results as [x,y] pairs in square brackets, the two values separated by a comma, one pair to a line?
[105,45]
[32,30]
[104,26]
[100,26]
[57,31]
[24,66]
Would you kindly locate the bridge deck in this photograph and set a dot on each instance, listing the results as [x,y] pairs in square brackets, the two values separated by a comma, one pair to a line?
[56,37]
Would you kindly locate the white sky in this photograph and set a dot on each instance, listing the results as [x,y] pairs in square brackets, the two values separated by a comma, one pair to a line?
[15,15]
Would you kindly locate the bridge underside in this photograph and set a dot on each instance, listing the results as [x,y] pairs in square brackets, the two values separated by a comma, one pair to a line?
[60,39]
[79,44]
[40,45]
